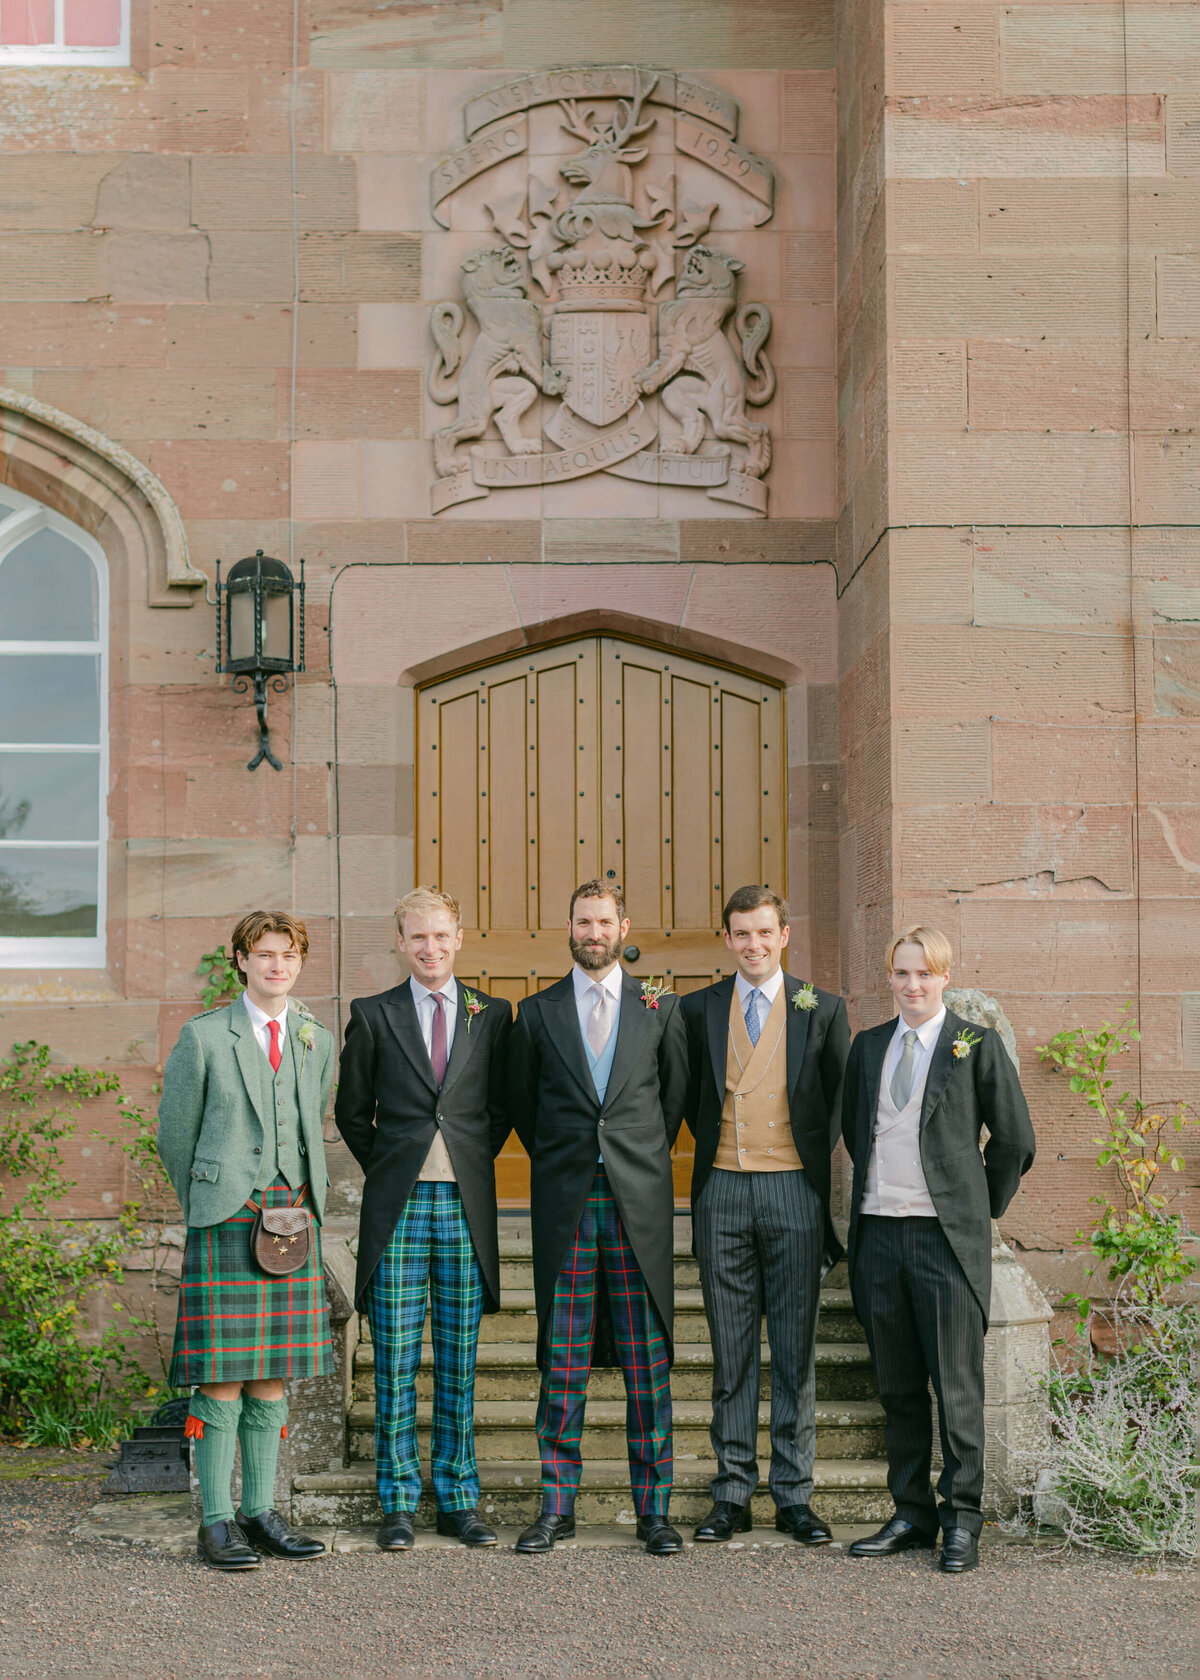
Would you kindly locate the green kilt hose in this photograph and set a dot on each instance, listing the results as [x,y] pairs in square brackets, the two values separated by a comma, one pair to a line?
[236,1323]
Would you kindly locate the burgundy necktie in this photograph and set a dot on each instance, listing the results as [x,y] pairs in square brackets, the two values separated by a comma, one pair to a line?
[437,1040]
[274,1054]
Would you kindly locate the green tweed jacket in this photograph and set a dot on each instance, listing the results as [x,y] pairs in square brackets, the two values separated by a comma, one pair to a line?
[210,1129]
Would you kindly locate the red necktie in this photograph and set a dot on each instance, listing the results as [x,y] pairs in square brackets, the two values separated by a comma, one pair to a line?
[274,1054]
[437,1040]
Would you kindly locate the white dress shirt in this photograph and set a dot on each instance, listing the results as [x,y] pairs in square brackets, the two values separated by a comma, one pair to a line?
[768,991]
[438,1167]
[261,1022]
[584,1001]
[895,1184]
[423,1000]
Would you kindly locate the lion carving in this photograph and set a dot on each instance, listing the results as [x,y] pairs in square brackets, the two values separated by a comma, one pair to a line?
[504,368]
[700,374]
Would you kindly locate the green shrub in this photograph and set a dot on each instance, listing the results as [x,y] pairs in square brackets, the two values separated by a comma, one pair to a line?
[1116,1465]
[56,1375]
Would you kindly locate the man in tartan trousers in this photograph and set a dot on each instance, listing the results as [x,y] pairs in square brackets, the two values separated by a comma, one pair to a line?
[421,1104]
[598,1078]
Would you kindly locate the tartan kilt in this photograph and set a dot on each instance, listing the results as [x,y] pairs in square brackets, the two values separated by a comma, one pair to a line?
[236,1323]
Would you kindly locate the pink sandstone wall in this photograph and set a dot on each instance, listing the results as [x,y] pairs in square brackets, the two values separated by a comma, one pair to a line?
[1020,689]
[148,265]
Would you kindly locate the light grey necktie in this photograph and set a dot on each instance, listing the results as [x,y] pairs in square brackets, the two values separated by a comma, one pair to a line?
[599,1021]
[903,1077]
[752,1022]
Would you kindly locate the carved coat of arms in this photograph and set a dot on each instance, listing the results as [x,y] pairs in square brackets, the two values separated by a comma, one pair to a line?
[600,295]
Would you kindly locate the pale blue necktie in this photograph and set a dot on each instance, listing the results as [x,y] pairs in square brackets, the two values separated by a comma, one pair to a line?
[752,1026]
[903,1077]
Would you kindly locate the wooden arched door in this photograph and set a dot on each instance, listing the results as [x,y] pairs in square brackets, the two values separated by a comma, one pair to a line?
[597,757]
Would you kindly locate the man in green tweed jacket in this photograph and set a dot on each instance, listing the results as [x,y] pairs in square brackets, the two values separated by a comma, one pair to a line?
[239,1128]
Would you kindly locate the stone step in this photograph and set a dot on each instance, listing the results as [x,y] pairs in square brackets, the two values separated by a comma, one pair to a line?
[504,1430]
[517,1319]
[507,1371]
[516,1266]
[845,1490]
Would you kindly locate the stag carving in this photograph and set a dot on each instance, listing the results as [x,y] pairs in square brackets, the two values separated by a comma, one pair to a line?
[604,170]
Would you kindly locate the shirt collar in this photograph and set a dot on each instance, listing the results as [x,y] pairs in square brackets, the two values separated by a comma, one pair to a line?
[584,981]
[768,988]
[259,1018]
[927,1035]
[449,991]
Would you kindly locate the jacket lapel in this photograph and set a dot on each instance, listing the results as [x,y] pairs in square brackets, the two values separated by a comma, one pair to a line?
[633,1028]
[797,1033]
[401,1014]
[559,1003]
[717,1002]
[464,1040]
[941,1066]
[304,1061]
[874,1051]
[248,1054]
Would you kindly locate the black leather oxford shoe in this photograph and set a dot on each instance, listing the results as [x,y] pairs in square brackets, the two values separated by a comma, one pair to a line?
[467,1526]
[803,1524]
[269,1534]
[724,1521]
[549,1527]
[895,1536]
[222,1545]
[658,1537]
[396,1532]
[960,1551]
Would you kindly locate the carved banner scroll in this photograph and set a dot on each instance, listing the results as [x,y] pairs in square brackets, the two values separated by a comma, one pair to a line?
[600,81]
[600,318]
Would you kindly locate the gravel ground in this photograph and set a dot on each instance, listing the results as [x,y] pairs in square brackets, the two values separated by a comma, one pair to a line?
[86,1609]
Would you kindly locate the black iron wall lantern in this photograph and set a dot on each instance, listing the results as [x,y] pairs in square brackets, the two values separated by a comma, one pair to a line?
[261,636]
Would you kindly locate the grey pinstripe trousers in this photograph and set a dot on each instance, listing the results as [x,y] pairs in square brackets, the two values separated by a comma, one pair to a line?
[924,1324]
[759,1239]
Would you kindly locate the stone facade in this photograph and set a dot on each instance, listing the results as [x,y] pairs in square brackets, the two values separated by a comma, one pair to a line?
[972,567]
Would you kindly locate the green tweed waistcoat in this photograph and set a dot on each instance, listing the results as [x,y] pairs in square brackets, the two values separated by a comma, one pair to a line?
[281,1119]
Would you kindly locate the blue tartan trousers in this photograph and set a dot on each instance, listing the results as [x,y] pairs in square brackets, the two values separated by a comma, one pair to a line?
[601,1247]
[430,1256]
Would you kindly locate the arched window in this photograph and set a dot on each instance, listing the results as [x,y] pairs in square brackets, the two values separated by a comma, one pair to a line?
[53,739]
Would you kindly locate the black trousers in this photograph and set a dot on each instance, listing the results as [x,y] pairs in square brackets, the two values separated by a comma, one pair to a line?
[924,1324]
[759,1241]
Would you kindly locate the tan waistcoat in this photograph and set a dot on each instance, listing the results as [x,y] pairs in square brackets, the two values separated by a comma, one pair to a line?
[756,1128]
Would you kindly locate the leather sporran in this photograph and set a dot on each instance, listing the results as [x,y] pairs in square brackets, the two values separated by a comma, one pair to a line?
[281,1239]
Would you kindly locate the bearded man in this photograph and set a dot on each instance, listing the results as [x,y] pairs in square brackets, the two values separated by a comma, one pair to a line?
[598,1076]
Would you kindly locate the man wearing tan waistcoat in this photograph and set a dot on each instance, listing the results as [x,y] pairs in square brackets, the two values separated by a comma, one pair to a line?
[767,1054]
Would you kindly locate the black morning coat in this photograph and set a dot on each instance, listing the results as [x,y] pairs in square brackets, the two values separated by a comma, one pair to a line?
[388,1107]
[817,1044]
[564,1129]
[962,1096]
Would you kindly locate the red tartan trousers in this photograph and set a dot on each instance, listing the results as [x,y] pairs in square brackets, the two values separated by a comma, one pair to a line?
[641,1348]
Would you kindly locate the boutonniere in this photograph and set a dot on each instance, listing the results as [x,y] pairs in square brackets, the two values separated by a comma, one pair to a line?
[964,1044]
[306,1032]
[805,997]
[652,990]
[473,1006]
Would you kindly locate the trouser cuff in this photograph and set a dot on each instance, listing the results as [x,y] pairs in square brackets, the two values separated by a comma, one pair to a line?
[971,1520]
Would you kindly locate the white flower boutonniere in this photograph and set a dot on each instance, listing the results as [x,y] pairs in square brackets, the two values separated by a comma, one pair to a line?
[652,990]
[964,1044]
[473,1006]
[306,1032]
[805,997]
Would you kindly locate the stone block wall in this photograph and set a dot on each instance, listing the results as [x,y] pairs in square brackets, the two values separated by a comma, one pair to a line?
[1028,625]
[223,260]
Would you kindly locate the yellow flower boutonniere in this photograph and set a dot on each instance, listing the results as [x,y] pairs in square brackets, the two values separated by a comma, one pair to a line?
[964,1044]
[805,997]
